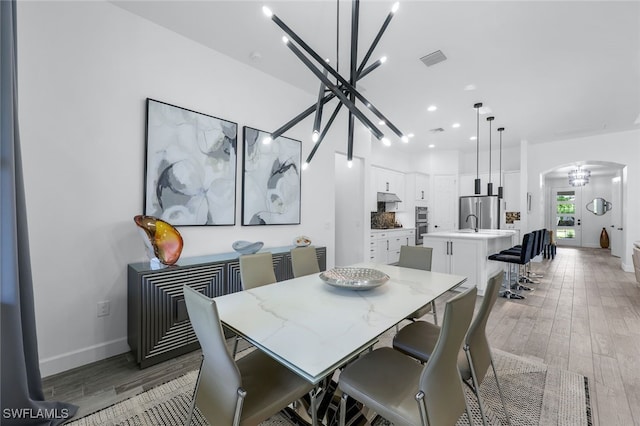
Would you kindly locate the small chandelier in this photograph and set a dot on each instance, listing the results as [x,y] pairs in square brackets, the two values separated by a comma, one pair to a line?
[579,177]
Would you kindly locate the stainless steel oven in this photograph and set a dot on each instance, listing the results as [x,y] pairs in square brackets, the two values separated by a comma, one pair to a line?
[422,223]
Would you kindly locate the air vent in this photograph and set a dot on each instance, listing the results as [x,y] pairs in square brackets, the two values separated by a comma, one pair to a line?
[437,130]
[433,58]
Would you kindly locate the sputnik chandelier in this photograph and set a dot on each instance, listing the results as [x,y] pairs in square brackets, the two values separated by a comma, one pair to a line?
[579,176]
[344,89]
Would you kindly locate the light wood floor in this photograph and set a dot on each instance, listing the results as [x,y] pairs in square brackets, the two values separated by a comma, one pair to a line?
[583,316]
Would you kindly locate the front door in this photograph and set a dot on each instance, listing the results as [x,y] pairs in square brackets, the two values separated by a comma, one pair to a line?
[566,216]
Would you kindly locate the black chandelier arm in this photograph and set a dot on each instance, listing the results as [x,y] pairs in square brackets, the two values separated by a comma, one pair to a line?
[324,132]
[370,68]
[298,118]
[375,42]
[336,90]
[335,74]
[355,15]
[319,104]
[327,98]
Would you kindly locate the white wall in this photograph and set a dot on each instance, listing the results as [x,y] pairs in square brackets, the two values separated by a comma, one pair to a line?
[510,161]
[85,70]
[622,148]
[349,211]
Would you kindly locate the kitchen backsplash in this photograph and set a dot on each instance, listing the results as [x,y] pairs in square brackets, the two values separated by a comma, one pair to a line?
[384,220]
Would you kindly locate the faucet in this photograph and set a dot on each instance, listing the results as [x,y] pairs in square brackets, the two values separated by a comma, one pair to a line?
[473,215]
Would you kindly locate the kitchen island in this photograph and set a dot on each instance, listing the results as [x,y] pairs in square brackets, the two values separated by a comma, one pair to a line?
[465,252]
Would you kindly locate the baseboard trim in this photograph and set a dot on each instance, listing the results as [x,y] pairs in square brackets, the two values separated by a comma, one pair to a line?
[67,361]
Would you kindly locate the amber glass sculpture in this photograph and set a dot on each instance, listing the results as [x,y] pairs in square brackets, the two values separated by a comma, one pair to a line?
[165,242]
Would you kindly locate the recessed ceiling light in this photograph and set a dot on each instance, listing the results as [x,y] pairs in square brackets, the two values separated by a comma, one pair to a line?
[455,125]
[411,135]
[469,87]
[432,146]
[473,138]
[381,122]
[432,108]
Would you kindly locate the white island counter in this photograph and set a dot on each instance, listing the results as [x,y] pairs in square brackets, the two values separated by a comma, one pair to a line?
[465,253]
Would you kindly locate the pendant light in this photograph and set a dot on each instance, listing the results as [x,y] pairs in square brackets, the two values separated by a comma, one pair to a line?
[490,184]
[477,181]
[500,188]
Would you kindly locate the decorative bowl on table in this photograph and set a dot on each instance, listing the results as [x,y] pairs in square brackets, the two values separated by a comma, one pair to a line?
[353,278]
[247,247]
[301,241]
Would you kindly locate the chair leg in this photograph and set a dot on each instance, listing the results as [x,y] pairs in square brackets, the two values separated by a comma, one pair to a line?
[343,409]
[314,408]
[476,384]
[495,375]
[433,311]
[193,398]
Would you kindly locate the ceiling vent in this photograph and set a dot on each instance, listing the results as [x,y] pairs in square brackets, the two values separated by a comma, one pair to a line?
[433,58]
[437,130]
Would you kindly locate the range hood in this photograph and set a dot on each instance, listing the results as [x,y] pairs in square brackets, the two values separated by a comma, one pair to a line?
[388,197]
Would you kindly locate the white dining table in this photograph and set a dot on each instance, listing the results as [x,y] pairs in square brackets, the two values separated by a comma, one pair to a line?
[314,328]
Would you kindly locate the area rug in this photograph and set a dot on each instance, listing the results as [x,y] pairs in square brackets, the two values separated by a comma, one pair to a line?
[536,394]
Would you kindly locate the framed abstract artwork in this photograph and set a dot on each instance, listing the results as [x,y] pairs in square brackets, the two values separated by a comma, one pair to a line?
[190,168]
[271,180]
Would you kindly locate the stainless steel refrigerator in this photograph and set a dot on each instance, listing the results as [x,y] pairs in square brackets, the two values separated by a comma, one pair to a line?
[485,209]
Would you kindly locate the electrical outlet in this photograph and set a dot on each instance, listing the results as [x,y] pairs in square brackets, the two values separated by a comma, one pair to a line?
[104,308]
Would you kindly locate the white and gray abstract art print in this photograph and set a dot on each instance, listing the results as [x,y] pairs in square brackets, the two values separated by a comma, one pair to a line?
[190,166]
[271,180]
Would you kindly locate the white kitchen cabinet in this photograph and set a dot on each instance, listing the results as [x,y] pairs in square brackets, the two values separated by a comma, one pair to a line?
[421,188]
[466,254]
[454,256]
[385,180]
[385,244]
[511,191]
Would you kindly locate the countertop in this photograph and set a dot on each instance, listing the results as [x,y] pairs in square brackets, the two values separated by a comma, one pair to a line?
[390,229]
[482,234]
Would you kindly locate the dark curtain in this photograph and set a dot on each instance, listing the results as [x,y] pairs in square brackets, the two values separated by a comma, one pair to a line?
[22,399]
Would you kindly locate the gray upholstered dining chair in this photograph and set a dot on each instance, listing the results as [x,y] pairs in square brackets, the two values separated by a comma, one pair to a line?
[406,392]
[304,261]
[419,340]
[243,392]
[418,257]
[256,270]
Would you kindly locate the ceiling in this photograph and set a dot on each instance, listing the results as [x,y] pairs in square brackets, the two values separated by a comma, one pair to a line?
[547,70]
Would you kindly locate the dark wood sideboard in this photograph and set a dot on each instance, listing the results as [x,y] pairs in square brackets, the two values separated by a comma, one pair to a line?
[158,326]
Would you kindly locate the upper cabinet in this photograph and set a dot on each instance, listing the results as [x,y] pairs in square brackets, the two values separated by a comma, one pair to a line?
[511,191]
[385,180]
[422,189]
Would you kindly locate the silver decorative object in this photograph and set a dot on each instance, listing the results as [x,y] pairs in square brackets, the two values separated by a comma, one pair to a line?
[247,247]
[354,278]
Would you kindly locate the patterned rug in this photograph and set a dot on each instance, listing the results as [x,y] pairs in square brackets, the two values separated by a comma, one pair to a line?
[536,394]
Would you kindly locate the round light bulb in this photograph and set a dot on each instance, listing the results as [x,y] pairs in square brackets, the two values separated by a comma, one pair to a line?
[432,146]
[455,125]
[315,136]
[386,142]
[305,165]
[381,123]
[350,164]
[383,59]
[395,7]
[285,40]
[268,13]
[267,140]
[405,139]
[432,108]
[411,135]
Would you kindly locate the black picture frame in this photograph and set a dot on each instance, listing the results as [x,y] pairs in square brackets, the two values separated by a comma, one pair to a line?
[271,179]
[190,166]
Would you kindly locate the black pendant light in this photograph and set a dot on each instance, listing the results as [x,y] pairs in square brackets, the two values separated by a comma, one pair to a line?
[477,181]
[500,188]
[490,184]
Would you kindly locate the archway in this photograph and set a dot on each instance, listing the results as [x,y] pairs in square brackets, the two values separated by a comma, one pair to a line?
[565,206]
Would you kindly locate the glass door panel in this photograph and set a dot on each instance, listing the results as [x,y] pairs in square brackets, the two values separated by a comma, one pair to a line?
[567,216]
